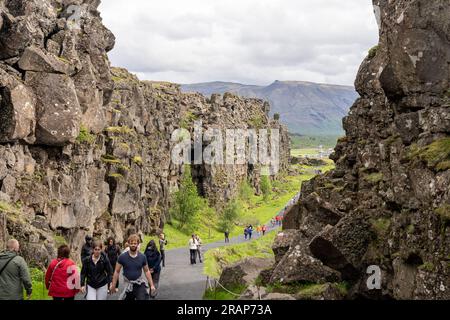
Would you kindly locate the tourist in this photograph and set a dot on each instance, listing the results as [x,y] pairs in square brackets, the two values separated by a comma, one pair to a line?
[227,236]
[258,230]
[96,274]
[199,248]
[264,229]
[277,219]
[246,233]
[250,232]
[134,266]
[14,273]
[162,248]
[86,250]
[154,263]
[112,250]
[193,249]
[62,277]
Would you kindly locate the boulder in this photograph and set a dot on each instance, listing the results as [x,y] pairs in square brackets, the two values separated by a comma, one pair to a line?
[18,103]
[283,242]
[244,272]
[298,265]
[34,59]
[58,110]
[343,246]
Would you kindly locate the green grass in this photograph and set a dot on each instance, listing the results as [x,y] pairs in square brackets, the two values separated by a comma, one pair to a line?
[301,142]
[305,290]
[38,281]
[305,152]
[175,238]
[256,211]
[221,294]
[217,259]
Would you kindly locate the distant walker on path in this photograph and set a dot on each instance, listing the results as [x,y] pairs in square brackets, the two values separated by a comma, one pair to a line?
[227,236]
[162,248]
[193,249]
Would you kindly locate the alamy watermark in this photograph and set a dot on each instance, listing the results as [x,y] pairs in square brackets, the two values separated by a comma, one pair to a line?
[215,146]
[374,279]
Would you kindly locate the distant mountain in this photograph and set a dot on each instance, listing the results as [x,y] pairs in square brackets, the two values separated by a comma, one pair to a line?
[306,108]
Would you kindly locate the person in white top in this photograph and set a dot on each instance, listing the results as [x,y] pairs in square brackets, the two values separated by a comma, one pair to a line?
[199,248]
[193,249]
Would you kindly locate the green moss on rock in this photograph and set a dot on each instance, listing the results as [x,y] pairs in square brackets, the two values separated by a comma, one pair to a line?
[436,155]
[374,177]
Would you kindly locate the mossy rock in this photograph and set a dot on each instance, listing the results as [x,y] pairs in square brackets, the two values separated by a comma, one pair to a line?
[444,212]
[109,159]
[373,52]
[59,240]
[436,155]
[381,225]
[374,178]
[427,266]
[120,130]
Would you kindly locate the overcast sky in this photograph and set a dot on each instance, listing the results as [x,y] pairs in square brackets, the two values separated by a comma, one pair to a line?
[246,41]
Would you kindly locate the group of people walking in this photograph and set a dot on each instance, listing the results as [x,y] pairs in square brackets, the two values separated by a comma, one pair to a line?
[100,271]
[195,249]
[260,230]
[277,221]
[248,231]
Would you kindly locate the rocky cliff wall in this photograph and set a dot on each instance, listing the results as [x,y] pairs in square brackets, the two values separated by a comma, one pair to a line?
[387,203]
[86,148]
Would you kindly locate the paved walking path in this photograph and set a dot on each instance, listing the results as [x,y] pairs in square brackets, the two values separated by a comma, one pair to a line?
[182,281]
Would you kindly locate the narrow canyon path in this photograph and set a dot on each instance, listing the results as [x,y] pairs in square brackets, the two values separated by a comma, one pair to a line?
[182,281]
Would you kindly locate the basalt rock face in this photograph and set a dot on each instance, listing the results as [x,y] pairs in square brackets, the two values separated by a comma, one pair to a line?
[86,148]
[387,203]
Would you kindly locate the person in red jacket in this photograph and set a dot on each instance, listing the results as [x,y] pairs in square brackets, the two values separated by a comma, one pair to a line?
[62,278]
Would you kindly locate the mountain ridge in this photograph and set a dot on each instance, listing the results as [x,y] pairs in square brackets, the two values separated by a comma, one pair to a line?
[321,106]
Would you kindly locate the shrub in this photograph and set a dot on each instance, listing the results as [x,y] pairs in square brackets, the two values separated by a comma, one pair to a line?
[266,187]
[187,202]
[246,192]
[229,215]
[85,136]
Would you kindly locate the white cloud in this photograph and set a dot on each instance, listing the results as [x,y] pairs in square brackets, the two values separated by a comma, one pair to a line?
[247,41]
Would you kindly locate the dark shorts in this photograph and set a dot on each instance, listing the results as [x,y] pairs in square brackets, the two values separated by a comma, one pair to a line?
[139,293]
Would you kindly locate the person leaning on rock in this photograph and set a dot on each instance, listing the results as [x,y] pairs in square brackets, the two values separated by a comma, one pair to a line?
[14,274]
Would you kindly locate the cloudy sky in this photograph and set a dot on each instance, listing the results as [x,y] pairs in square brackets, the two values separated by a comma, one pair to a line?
[246,41]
